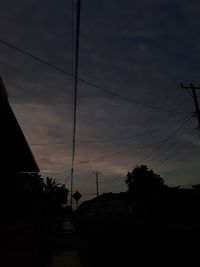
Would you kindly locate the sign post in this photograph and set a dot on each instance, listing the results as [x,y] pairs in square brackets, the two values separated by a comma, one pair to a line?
[77,196]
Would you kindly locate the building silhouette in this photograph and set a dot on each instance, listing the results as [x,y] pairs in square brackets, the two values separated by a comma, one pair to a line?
[15,153]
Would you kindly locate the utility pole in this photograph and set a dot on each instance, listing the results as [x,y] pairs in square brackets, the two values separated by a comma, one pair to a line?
[75,85]
[194,95]
[97,181]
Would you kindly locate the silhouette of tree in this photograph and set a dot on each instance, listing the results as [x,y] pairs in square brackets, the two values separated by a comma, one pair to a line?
[51,185]
[196,186]
[141,180]
[57,192]
[56,196]
[37,182]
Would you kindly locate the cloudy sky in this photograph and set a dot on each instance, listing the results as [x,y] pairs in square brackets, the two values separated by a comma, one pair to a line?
[141,50]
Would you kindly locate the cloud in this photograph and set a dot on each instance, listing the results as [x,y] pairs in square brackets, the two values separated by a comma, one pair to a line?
[141,50]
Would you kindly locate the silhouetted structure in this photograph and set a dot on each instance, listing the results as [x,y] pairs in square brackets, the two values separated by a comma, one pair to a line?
[15,155]
[21,203]
[139,231]
[104,207]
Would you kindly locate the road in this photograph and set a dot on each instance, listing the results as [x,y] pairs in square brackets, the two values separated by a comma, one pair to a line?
[68,247]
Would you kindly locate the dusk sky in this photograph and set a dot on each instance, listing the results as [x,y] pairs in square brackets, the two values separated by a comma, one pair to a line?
[141,50]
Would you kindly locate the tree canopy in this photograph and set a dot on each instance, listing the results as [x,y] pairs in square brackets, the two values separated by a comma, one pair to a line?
[142,179]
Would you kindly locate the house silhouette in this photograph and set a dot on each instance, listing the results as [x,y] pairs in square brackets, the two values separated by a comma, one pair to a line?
[15,153]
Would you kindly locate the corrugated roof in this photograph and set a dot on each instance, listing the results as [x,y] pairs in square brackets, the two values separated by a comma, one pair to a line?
[15,153]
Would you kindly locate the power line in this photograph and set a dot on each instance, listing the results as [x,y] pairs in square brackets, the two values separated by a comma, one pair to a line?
[35,57]
[186,119]
[101,158]
[172,153]
[132,100]
[117,153]
[127,99]
[173,145]
[96,141]
[120,152]
[194,95]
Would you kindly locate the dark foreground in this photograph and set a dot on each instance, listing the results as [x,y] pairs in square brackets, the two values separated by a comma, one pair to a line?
[113,242]
[141,243]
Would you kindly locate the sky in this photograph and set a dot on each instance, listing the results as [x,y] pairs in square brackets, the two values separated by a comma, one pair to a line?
[141,50]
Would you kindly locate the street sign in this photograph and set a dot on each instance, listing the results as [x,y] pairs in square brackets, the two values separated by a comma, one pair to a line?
[77,196]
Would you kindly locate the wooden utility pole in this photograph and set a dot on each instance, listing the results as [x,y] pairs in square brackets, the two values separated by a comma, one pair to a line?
[194,95]
[97,181]
[75,53]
